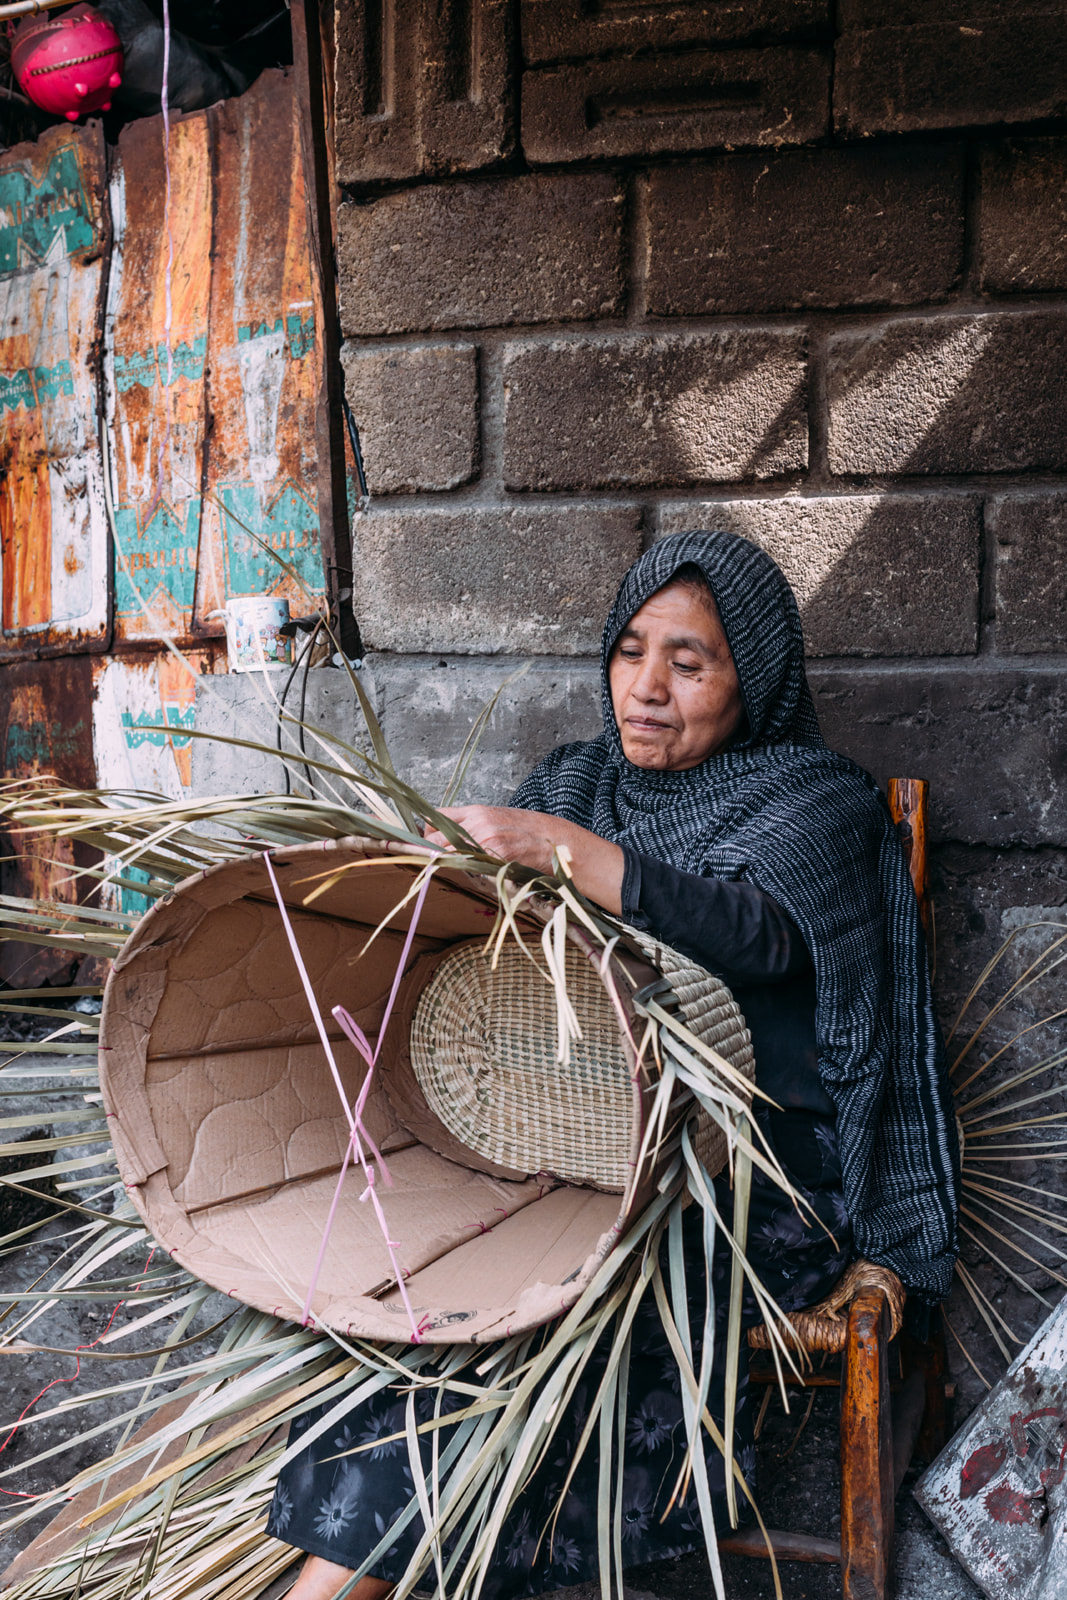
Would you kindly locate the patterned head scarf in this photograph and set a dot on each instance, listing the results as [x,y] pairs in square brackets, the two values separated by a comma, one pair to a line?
[759,615]
[776,808]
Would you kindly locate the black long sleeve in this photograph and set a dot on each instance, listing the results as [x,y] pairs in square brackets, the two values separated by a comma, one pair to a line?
[746,938]
[731,929]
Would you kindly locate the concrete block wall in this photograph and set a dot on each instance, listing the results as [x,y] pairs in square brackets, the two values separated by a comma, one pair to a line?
[789,267]
[741,266]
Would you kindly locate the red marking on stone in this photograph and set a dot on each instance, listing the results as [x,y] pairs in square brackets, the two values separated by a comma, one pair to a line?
[1007,1506]
[982,1465]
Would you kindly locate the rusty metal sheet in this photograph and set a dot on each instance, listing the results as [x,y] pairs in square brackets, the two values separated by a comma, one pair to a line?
[156,353]
[45,727]
[998,1492]
[264,359]
[209,334]
[54,231]
[241,350]
[134,698]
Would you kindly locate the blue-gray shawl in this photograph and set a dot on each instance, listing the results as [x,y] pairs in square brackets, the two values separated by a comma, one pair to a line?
[778,809]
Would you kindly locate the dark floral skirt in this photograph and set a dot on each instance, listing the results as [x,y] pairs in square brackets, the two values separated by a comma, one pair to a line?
[342,1508]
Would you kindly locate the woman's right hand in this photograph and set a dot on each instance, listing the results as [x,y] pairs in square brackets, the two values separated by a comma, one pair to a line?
[533,838]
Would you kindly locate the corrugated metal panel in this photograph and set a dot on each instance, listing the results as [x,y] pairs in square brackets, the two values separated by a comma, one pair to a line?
[211,320]
[135,698]
[210,339]
[54,230]
[155,360]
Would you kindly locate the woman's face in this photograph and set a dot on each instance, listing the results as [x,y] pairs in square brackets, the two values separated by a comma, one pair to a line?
[674,686]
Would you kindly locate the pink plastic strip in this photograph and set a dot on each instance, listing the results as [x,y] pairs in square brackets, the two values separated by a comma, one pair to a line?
[357,1131]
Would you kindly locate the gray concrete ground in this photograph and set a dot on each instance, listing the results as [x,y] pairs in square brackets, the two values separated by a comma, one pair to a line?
[799,1481]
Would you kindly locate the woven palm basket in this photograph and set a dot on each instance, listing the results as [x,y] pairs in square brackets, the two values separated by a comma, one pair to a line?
[511,1173]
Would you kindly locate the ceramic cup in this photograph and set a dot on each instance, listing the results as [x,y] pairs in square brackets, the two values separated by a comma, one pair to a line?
[253,640]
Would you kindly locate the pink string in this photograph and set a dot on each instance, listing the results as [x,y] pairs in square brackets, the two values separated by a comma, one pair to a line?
[357,1131]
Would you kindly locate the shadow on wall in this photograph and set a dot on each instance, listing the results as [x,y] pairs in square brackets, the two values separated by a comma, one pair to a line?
[696,414]
[897,573]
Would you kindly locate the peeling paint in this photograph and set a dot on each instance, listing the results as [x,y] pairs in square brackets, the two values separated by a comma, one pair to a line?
[39,213]
[997,1490]
[133,700]
[53,228]
[264,362]
[194,510]
[157,385]
[45,727]
[197,508]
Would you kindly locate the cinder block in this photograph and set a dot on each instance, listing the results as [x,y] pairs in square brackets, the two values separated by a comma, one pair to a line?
[466,85]
[984,734]
[874,575]
[474,255]
[945,75]
[950,394]
[231,705]
[488,578]
[421,88]
[808,228]
[417,412]
[1022,217]
[987,737]
[667,409]
[428,705]
[555,30]
[699,100]
[1031,572]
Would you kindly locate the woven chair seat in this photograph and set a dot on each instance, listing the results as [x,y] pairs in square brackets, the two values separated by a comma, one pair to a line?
[824,1327]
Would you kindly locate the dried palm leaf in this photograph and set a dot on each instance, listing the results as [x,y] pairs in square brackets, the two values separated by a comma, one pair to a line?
[1009,1091]
[173,1509]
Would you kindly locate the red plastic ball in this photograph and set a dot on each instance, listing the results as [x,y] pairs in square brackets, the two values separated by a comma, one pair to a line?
[68,64]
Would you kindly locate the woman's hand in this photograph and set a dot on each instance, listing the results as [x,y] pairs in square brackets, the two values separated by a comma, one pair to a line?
[511,835]
[530,837]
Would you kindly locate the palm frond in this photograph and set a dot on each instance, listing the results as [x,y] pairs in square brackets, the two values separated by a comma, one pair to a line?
[174,1508]
[1009,1225]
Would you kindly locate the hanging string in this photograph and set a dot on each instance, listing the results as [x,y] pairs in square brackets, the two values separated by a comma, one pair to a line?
[168,282]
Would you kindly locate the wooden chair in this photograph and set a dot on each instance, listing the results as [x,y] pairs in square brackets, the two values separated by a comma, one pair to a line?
[893,1388]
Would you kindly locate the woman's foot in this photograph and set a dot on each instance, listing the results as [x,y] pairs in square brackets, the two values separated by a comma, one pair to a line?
[321,1579]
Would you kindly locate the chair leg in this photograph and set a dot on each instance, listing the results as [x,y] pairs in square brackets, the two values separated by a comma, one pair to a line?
[866,1450]
[929,1357]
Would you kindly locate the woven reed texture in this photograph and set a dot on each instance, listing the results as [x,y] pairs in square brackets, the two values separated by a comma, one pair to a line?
[483,1047]
[484,1044]
[711,1012]
[825,1327]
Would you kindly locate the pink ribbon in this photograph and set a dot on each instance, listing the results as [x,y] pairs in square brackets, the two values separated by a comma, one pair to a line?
[358,1134]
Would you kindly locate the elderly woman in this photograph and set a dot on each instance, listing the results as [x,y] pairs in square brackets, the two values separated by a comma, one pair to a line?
[710,813]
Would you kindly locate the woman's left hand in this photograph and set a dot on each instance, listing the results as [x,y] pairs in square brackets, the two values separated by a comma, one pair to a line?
[531,837]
